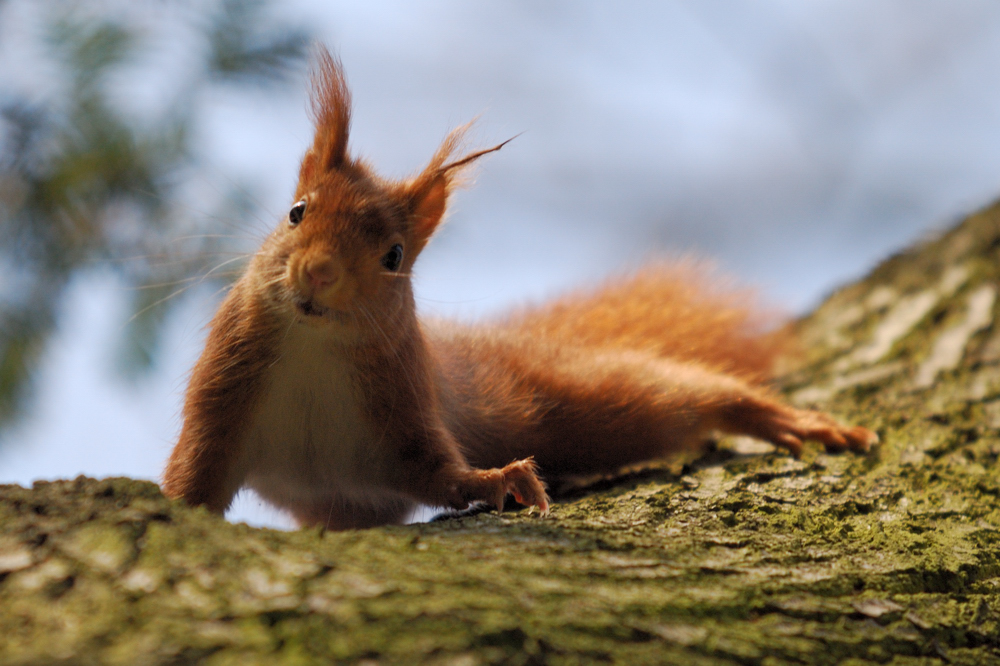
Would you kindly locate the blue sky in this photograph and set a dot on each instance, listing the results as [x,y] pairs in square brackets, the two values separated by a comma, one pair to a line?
[794,143]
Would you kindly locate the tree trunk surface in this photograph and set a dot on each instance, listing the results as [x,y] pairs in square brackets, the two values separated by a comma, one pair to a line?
[745,556]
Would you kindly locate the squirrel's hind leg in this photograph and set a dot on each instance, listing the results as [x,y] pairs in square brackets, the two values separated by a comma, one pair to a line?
[629,409]
[730,405]
[785,426]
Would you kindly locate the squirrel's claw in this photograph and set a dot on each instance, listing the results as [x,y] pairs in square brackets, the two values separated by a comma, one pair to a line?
[520,479]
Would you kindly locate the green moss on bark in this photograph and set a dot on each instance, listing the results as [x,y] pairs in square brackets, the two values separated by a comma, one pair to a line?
[893,558]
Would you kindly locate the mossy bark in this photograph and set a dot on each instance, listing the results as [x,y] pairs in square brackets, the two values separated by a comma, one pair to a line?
[742,557]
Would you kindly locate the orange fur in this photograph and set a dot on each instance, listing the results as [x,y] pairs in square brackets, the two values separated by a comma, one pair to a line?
[321,389]
[674,310]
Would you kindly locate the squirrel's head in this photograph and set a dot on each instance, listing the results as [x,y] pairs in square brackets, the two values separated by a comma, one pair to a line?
[344,253]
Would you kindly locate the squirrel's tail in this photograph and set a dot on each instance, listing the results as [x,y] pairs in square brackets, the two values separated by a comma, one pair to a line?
[682,310]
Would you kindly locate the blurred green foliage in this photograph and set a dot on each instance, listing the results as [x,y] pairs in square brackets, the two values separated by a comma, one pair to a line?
[87,183]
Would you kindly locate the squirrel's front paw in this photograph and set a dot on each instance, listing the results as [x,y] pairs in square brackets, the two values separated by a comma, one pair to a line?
[520,479]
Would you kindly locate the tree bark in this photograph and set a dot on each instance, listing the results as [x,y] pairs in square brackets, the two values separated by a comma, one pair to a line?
[745,556]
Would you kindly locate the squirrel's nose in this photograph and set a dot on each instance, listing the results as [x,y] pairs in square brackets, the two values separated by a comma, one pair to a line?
[322,272]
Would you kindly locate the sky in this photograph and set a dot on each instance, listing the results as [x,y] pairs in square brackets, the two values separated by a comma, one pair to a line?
[795,144]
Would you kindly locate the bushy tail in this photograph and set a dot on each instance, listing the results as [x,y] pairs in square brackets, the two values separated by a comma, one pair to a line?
[682,310]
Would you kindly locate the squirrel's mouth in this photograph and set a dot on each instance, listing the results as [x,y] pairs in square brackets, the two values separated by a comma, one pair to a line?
[312,309]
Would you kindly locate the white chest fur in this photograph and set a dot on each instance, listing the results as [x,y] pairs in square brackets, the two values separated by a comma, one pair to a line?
[308,437]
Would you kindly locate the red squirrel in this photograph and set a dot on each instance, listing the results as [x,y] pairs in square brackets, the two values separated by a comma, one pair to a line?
[321,389]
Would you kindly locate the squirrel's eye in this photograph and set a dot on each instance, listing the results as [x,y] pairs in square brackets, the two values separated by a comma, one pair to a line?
[393,258]
[296,213]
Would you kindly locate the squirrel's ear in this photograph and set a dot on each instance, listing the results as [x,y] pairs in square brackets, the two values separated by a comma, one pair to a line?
[428,203]
[331,109]
[427,194]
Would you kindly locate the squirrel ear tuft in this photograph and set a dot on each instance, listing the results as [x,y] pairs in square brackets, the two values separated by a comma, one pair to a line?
[331,110]
[428,192]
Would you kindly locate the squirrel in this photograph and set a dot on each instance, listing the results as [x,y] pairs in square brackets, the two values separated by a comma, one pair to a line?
[321,389]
